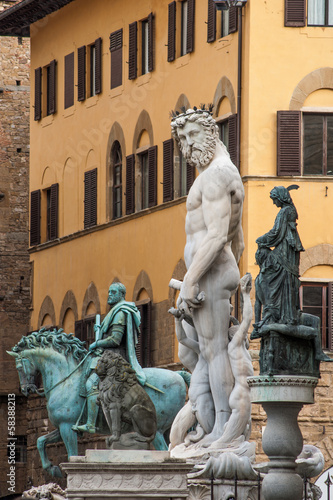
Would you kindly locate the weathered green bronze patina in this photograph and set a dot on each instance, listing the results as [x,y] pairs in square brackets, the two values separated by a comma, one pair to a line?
[119,331]
[290,338]
[129,411]
[66,367]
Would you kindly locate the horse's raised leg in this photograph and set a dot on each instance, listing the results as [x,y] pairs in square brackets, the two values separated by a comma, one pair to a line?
[42,441]
[69,437]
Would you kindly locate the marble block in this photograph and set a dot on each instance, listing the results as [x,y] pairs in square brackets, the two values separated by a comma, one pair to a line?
[126,475]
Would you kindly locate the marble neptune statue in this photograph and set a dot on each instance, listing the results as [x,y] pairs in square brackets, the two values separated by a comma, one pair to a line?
[214,245]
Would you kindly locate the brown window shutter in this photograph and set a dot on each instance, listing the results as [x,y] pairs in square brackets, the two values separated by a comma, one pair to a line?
[152,174]
[69,80]
[172,31]
[90,198]
[130,184]
[81,73]
[168,170]
[79,329]
[233,18]
[116,49]
[190,26]
[294,13]
[190,176]
[132,51]
[289,142]
[98,68]
[211,25]
[151,41]
[330,316]
[233,143]
[38,94]
[52,90]
[35,217]
[54,211]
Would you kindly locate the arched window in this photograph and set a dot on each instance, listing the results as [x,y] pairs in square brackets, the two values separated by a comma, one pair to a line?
[117,180]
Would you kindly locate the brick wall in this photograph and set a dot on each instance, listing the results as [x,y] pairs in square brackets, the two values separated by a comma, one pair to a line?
[14,258]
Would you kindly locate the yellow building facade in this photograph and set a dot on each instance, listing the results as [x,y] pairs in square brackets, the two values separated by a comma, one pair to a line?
[108,186]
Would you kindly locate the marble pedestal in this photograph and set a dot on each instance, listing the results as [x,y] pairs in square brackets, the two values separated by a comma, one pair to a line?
[282,397]
[129,475]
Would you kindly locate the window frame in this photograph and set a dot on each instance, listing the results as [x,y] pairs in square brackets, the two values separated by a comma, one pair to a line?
[50,212]
[144,46]
[325,326]
[324,115]
[84,329]
[183,27]
[117,165]
[92,70]
[326,15]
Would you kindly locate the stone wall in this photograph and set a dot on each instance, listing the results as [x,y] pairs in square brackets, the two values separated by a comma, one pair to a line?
[14,236]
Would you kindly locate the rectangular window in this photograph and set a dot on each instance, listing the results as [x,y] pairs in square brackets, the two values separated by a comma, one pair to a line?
[148,160]
[145,179]
[224,132]
[314,299]
[187,175]
[317,144]
[183,175]
[145,47]
[320,12]
[49,88]
[84,330]
[69,80]
[224,23]
[184,27]
[220,22]
[92,70]
[117,180]
[116,49]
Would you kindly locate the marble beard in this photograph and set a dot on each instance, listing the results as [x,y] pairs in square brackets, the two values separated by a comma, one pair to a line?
[212,344]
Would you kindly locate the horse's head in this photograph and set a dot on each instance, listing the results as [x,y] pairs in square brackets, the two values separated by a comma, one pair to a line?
[27,372]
